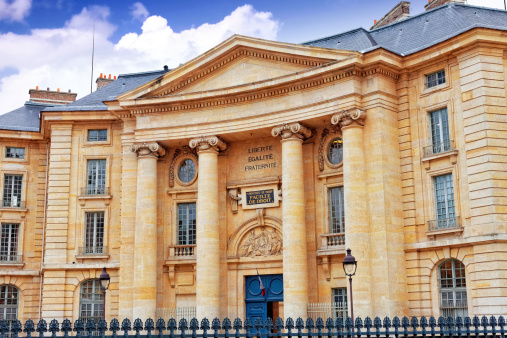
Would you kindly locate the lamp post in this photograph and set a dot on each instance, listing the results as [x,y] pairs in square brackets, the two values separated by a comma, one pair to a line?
[104,285]
[350,267]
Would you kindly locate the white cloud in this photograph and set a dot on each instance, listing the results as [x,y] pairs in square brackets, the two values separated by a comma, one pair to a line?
[14,10]
[139,12]
[61,57]
[487,3]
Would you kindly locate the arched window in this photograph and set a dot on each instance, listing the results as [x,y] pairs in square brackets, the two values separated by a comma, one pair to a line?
[91,301]
[9,299]
[453,290]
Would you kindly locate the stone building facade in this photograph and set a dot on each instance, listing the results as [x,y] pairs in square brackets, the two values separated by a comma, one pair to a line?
[268,158]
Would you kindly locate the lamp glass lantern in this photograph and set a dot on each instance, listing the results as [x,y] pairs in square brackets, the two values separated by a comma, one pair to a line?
[105,279]
[349,264]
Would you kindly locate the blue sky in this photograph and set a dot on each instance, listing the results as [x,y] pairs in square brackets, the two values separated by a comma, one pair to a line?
[48,42]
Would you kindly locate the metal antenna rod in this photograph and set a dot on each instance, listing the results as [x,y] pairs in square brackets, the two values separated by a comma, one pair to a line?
[93,54]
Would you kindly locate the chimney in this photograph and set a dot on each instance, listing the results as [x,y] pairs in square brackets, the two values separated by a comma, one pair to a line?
[437,3]
[51,96]
[400,12]
[102,80]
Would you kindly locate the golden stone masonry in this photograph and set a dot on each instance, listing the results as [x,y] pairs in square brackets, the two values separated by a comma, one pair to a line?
[271,157]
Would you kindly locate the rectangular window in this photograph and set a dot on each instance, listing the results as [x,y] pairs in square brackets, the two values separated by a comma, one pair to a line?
[9,242]
[94,233]
[435,79]
[340,303]
[14,152]
[12,191]
[336,210]
[444,197]
[440,131]
[186,223]
[96,178]
[95,135]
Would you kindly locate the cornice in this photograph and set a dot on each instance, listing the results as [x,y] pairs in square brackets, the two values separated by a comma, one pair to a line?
[262,93]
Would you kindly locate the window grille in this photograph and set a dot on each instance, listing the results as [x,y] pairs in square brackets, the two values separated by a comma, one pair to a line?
[9,296]
[91,301]
[95,135]
[444,196]
[340,299]
[186,172]
[94,233]
[14,152]
[336,210]
[12,191]
[9,242]
[186,223]
[435,79]
[335,151]
[96,178]
[453,292]
[440,131]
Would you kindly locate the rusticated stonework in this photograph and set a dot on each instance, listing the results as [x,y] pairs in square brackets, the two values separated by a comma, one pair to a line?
[261,243]
[292,130]
[349,117]
[148,149]
[208,142]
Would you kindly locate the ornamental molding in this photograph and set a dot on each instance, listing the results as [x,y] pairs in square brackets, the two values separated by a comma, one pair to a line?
[179,155]
[147,149]
[208,142]
[350,117]
[326,137]
[294,130]
[242,97]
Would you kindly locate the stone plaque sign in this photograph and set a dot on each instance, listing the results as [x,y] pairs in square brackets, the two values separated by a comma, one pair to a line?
[260,197]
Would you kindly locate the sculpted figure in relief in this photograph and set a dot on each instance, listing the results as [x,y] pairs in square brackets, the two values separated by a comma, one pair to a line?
[264,243]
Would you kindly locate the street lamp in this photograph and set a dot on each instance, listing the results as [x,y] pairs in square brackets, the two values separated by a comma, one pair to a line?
[104,285]
[350,267]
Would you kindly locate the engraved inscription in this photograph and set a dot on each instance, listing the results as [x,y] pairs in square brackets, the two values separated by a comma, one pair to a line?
[260,197]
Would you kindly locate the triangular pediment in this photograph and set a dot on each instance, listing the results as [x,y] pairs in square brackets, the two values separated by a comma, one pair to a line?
[235,62]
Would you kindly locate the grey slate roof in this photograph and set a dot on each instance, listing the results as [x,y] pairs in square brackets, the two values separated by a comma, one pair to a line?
[418,32]
[95,100]
[25,118]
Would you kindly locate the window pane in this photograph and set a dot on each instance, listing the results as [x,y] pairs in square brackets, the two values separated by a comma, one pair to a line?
[340,302]
[337,210]
[444,196]
[14,152]
[453,294]
[186,223]
[9,296]
[186,172]
[95,135]
[335,151]
[96,178]
[94,233]
[9,242]
[435,79]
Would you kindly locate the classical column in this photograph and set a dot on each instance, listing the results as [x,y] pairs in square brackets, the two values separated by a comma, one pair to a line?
[357,229]
[207,233]
[145,255]
[295,265]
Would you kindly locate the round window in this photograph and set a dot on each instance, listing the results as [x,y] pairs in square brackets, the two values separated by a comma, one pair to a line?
[186,172]
[335,151]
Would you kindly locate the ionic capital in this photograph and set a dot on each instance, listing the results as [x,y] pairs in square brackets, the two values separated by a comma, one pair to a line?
[147,149]
[208,142]
[349,117]
[294,130]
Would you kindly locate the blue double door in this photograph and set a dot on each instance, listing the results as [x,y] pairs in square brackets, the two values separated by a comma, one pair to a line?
[259,306]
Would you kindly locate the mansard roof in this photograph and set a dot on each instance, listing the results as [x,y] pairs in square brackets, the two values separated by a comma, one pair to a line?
[25,118]
[418,32]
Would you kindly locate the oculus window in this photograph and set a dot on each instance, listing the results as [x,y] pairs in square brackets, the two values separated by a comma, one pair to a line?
[186,171]
[335,151]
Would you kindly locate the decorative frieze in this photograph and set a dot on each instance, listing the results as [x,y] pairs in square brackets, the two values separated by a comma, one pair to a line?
[208,142]
[292,130]
[148,149]
[261,242]
[354,116]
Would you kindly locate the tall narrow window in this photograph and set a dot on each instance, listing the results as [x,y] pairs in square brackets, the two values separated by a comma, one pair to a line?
[12,191]
[96,135]
[453,289]
[186,223]
[9,299]
[91,301]
[94,234]
[435,79]
[340,307]
[14,152]
[96,178]
[9,242]
[444,197]
[440,131]
[337,210]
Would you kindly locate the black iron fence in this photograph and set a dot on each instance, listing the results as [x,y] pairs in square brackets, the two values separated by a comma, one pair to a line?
[396,328]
